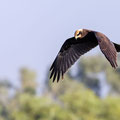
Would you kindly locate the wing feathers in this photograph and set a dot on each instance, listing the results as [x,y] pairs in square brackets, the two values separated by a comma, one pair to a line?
[69,53]
[108,49]
[72,49]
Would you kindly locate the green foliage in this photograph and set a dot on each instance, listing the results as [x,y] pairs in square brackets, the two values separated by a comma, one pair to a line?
[67,100]
[77,104]
[28,83]
[93,65]
[39,108]
[74,102]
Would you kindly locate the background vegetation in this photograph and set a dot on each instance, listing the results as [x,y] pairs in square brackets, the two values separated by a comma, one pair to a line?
[91,94]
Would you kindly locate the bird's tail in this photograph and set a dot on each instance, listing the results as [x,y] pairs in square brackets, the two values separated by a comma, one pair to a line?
[117,47]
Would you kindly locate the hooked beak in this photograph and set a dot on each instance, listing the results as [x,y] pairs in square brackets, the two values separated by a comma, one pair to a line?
[76,37]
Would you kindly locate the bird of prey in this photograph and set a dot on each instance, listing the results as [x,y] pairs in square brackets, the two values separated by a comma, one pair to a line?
[83,41]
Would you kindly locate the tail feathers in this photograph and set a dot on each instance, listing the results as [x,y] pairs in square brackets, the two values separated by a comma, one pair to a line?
[117,47]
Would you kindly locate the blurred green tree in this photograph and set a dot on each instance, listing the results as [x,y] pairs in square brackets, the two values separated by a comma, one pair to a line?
[69,99]
[5,88]
[28,81]
[92,66]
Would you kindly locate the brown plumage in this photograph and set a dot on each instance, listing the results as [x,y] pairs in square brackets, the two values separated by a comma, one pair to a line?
[83,41]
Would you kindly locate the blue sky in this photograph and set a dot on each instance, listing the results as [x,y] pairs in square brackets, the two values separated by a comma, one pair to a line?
[32,31]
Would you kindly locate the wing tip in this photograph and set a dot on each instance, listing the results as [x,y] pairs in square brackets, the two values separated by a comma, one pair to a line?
[56,77]
[114,65]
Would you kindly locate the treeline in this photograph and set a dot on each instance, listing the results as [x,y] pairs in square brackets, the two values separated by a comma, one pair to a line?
[77,97]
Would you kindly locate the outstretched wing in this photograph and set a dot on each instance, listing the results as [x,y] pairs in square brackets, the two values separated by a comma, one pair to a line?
[70,51]
[107,48]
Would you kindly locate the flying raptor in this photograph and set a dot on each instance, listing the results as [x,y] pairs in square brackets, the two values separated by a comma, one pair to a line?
[83,41]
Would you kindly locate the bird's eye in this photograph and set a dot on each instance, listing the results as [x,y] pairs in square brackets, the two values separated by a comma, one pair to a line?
[79,33]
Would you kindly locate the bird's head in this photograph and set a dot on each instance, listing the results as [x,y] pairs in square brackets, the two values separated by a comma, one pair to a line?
[81,33]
